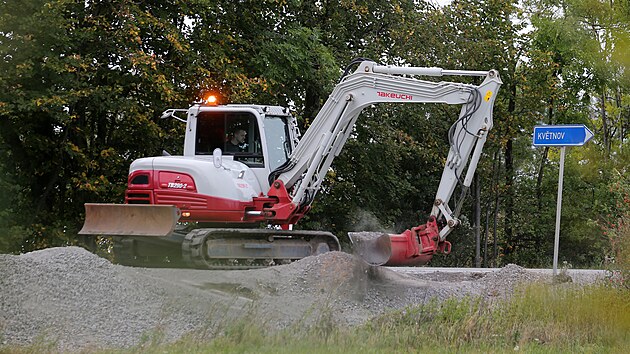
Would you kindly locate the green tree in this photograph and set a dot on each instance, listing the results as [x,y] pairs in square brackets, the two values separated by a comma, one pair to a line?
[80,83]
[571,60]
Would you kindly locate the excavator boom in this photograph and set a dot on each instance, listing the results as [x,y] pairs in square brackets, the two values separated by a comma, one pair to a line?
[303,174]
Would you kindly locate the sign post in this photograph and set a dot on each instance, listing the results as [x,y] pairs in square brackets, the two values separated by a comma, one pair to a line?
[561,136]
[556,240]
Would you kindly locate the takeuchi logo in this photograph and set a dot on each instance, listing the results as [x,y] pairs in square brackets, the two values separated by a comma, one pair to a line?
[398,96]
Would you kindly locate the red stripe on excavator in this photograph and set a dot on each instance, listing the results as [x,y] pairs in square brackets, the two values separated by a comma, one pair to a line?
[183,194]
[201,208]
[276,208]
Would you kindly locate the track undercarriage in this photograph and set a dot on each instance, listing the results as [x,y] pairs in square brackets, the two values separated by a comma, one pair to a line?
[222,248]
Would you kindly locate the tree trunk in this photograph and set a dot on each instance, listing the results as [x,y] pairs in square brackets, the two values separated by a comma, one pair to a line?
[509,177]
[539,179]
[495,253]
[509,198]
[619,104]
[494,189]
[477,211]
[605,127]
[543,158]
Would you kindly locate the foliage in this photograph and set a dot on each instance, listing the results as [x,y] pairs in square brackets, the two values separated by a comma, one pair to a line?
[83,83]
[80,82]
[616,228]
[13,233]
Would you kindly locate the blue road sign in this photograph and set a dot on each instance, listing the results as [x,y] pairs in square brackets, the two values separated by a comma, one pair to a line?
[561,135]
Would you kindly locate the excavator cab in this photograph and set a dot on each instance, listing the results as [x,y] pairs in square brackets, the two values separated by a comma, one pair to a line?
[259,137]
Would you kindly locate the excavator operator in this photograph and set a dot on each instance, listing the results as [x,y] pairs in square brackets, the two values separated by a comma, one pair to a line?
[236,143]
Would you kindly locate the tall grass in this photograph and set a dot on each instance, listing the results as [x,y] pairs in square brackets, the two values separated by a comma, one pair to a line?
[540,318]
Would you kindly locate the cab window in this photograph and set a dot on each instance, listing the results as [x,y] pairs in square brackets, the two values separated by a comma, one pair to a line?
[235,133]
[278,141]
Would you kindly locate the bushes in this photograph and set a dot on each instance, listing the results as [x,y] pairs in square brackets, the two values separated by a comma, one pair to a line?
[616,227]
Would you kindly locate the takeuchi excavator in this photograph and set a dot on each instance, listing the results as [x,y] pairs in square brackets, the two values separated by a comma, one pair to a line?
[246,176]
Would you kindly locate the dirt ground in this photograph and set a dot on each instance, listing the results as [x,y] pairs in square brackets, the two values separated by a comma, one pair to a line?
[75,300]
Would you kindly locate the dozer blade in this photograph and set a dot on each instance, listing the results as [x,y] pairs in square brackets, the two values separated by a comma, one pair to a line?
[375,248]
[129,219]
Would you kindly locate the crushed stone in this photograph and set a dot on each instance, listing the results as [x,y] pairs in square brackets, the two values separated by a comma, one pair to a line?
[76,300]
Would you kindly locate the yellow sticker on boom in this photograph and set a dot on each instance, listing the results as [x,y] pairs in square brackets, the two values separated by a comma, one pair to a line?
[488,95]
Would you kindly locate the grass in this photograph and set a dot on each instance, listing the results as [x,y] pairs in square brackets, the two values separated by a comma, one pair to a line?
[540,318]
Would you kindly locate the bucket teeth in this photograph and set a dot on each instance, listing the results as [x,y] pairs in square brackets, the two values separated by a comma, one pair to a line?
[375,248]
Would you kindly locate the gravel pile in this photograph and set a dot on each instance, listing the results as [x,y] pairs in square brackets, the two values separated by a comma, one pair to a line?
[502,283]
[75,300]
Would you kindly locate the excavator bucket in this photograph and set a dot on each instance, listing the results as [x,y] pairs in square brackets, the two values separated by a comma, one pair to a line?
[413,247]
[375,248]
[129,219]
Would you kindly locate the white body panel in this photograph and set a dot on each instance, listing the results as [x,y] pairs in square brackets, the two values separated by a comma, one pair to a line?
[233,180]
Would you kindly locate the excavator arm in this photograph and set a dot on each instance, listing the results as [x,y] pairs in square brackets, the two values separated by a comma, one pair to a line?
[297,181]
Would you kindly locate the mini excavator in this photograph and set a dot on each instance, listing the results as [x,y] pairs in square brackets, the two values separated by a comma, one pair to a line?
[246,165]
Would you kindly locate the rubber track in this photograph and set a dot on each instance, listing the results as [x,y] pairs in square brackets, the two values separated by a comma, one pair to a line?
[193,249]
